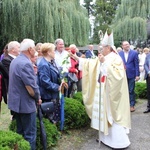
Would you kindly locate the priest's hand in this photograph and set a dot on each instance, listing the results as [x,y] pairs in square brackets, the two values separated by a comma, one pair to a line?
[101,58]
[74,56]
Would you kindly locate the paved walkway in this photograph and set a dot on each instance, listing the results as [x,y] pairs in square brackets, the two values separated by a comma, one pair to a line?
[139,134]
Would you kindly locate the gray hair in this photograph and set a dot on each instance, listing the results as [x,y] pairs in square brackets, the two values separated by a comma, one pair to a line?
[12,45]
[26,44]
[57,41]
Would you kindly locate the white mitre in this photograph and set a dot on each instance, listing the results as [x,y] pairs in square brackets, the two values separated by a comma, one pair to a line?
[108,40]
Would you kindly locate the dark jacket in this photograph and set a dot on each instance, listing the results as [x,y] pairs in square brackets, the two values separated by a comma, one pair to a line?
[147,65]
[3,83]
[48,79]
[6,61]
[88,54]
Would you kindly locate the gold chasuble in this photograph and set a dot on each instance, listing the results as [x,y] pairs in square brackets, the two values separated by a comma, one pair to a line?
[114,96]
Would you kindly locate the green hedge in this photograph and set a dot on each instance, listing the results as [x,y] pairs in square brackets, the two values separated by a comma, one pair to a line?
[75,114]
[75,118]
[51,131]
[78,97]
[140,90]
[12,141]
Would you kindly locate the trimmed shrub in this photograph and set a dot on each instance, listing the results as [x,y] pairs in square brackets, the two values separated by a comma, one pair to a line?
[75,114]
[51,131]
[13,141]
[140,90]
[78,97]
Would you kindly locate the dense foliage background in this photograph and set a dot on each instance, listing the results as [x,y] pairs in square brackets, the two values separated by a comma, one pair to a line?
[44,21]
[129,19]
[47,20]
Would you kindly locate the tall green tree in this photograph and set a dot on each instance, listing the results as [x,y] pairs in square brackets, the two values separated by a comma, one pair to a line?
[44,21]
[88,4]
[104,12]
[131,19]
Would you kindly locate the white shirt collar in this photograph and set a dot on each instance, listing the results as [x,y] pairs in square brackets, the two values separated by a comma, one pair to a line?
[13,56]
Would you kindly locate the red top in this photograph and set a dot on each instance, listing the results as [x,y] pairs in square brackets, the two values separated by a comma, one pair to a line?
[74,67]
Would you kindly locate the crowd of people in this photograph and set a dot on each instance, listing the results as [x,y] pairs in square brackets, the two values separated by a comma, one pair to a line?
[34,74]
[31,75]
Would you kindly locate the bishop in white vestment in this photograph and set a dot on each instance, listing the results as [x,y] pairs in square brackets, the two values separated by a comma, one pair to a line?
[115,120]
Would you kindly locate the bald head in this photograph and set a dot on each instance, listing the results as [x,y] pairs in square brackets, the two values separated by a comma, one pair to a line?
[91,47]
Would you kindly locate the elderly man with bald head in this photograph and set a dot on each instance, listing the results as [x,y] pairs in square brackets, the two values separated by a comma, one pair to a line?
[13,52]
[90,53]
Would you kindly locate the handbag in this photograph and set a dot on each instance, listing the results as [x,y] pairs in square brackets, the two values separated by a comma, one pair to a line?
[72,77]
[47,108]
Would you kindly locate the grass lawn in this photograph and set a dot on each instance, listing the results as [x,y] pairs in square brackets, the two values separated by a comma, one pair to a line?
[5,117]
